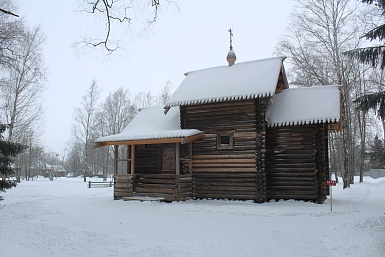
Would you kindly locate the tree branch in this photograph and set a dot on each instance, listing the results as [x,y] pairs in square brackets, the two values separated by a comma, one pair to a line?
[8,12]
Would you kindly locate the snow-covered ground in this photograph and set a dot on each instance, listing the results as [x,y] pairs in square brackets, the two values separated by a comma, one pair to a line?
[65,218]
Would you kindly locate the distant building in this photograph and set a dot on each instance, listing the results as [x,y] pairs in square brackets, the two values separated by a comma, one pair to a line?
[55,170]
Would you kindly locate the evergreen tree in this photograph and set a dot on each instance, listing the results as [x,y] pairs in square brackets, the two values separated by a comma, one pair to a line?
[377,154]
[374,56]
[8,150]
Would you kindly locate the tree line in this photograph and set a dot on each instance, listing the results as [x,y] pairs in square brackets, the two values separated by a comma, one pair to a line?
[22,83]
[94,118]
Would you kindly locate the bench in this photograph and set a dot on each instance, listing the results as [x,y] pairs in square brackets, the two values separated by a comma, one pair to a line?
[100,184]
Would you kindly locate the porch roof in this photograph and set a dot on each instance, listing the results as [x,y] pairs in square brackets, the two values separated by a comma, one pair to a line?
[152,126]
[299,106]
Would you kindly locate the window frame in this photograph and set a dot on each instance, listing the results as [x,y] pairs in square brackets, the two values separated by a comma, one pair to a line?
[229,134]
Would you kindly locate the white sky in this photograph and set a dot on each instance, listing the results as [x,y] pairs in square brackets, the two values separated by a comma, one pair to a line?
[195,37]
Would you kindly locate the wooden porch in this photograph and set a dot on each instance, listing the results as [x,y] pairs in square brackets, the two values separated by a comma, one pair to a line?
[167,187]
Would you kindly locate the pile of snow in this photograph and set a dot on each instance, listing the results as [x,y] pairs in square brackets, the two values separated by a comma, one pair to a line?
[65,218]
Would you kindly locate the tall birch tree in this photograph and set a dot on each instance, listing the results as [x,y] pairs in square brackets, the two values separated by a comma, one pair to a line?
[318,33]
[84,117]
[24,84]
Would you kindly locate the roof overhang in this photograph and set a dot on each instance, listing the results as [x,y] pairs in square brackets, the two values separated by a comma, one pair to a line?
[149,141]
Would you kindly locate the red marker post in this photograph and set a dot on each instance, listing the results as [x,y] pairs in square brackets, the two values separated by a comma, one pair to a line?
[331,184]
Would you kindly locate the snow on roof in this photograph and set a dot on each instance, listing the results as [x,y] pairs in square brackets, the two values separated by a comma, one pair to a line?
[241,81]
[308,105]
[152,123]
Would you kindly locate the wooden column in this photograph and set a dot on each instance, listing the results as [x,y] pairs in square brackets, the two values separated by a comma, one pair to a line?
[190,157]
[116,155]
[177,158]
[132,160]
[128,160]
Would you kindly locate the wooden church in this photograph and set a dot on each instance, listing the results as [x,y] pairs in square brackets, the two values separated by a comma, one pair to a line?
[232,132]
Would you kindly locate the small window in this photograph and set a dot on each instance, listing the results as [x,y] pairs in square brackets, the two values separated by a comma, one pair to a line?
[225,140]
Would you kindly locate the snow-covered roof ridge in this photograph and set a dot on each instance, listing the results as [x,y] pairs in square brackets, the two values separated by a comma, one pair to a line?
[152,123]
[300,106]
[244,80]
[282,58]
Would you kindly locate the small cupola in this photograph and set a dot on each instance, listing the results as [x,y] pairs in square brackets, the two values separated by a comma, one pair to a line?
[231,57]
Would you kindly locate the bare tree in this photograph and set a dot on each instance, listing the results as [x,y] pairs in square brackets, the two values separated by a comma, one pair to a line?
[22,88]
[113,116]
[144,99]
[11,30]
[84,115]
[165,94]
[319,32]
[128,13]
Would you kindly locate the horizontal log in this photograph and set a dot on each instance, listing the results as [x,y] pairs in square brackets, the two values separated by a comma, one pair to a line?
[184,185]
[169,197]
[291,197]
[122,194]
[157,176]
[183,190]
[155,181]
[219,175]
[155,190]
[232,183]
[230,170]
[223,156]
[227,160]
[290,166]
[283,179]
[125,186]
[160,186]
[290,188]
[292,170]
[201,188]
[224,165]
[227,196]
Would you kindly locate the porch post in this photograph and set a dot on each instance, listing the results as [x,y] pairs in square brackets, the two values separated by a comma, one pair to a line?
[128,159]
[132,159]
[116,148]
[190,157]
[177,158]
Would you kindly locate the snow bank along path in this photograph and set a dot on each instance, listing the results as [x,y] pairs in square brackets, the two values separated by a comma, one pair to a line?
[65,218]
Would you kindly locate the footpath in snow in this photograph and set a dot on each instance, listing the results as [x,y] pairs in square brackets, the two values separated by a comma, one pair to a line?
[64,217]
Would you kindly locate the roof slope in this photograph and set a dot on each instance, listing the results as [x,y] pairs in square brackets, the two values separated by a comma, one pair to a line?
[240,81]
[151,124]
[308,105]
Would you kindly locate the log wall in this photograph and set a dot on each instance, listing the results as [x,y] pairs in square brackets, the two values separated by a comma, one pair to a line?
[123,185]
[225,185]
[227,173]
[297,162]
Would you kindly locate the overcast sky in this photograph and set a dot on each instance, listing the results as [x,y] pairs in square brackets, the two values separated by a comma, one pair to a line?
[191,37]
